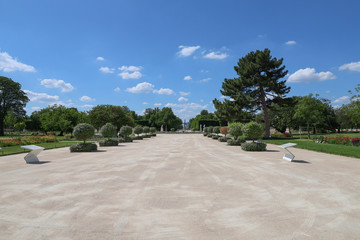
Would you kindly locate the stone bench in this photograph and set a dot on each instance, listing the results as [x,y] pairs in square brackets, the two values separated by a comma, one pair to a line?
[31,157]
[288,155]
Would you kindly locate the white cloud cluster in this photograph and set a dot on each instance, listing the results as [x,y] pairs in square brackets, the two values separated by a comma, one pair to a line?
[186,110]
[205,80]
[157,104]
[164,91]
[182,99]
[187,78]
[216,55]
[54,83]
[291,42]
[130,72]
[117,89]
[9,64]
[310,75]
[41,97]
[184,93]
[341,100]
[187,50]
[87,99]
[100,59]
[353,66]
[143,87]
[107,70]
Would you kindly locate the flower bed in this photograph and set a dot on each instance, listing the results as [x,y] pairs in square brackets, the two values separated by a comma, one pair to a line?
[356,141]
[29,140]
[337,140]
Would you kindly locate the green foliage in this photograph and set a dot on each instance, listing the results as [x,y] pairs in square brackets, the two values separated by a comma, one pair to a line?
[108,142]
[125,131]
[253,146]
[20,126]
[258,84]
[166,118]
[83,147]
[10,119]
[215,137]
[125,139]
[146,130]
[153,130]
[204,118]
[235,142]
[209,129]
[222,139]
[138,130]
[11,98]
[210,135]
[235,129]
[108,130]
[138,137]
[83,131]
[252,130]
[205,134]
[216,130]
[67,136]
[172,129]
[102,114]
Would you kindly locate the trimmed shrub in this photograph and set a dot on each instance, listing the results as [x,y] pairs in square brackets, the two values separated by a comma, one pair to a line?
[153,131]
[224,130]
[146,130]
[125,131]
[138,130]
[216,130]
[252,130]
[209,135]
[209,129]
[222,139]
[235,142]
[83,147]
[125,139]
[172,129]
[83,131]
[146,136]
[253,146]
[67,136]
[108,142]
[216,137]
[235,129]
[137,138]
[108,130]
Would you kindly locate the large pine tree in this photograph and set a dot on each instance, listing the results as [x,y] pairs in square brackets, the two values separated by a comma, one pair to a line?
[258,84]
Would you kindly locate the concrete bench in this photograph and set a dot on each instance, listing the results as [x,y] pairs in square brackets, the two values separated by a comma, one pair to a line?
[31,157]
[288,155]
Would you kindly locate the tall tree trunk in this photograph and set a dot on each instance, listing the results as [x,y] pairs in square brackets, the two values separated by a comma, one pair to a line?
[2,127]
[266,115]
[308,130]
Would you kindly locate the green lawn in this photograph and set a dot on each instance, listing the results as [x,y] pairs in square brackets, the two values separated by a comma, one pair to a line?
[17,149]
[350,151]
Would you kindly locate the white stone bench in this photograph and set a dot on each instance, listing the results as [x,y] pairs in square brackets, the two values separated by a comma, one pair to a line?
[31,157]
[288,155]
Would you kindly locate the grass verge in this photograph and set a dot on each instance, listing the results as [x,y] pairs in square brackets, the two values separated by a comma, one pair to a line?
[17,149]
[343,150]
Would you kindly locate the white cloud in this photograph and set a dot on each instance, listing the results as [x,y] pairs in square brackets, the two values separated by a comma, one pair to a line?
[128,75]
[41,97]
[53,83]
[310,75]
[187,50]
[87,99]
[100,59]
[164,91]
[35,108]
[107,70]
[143,87]
[186,110]
[182,99]
[201,100]
[341,100]
[9,64]
[158,104]
[117,89]
[184,93]
[145,103]
[353,66]
[130,68]
[222,96]
[205,80]
[86,106]
[187,78]
[216,55]
[328,91]
[290,42]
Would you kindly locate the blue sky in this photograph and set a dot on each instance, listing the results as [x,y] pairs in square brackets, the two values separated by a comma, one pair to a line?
[172,53]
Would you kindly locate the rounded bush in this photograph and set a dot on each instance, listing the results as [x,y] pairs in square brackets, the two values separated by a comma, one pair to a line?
[153,130]
[209,129]
[83,131]
[253,130]
[146,130]
[205,134]
[172,129]
[235,129]
[215,137]
[125,131]
[224,130]
[235,142]
[210,135]
[108,130]
[108,142]
[138,130]
[216,130]
[222,139]
[125,139]
[137,138]
[253,146]
[83,147]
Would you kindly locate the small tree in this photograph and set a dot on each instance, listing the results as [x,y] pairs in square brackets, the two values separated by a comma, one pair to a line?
[83,131]
[146,130]
[153,129]
[108,130]
[235,129]
[125,131]
[252,130]
[216,130]
[20,126]
[209,129]
[138,130]
[224,130]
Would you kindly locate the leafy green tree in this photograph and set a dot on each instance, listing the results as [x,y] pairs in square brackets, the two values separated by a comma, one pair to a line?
[11,98]
[309,111]
[83,131]
[235,129]
[165,117]
[20,126]
[230,111]
[125,131]
[10,119]
[216,130]
[102,114]
[108,130]
[252,130]
[138,130]
[258,84]
[353,109]
[152,129]
[146,130]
